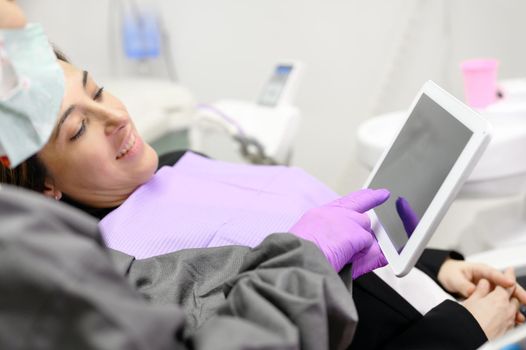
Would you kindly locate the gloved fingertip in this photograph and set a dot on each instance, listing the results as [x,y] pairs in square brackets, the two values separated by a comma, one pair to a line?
[382,194]
[384,191]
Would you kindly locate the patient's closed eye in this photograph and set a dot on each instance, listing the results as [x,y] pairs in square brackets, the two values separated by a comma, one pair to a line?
[98,94]
[80,131]
[82,127]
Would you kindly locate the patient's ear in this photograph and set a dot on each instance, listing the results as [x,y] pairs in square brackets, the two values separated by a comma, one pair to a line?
[50,189]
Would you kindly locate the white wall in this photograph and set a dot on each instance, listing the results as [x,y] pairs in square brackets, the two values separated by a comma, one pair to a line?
[363,57]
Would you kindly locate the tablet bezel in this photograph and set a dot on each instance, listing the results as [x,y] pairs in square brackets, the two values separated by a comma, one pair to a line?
[481,128]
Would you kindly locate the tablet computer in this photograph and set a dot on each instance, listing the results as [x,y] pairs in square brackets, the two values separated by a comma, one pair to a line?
[424,167]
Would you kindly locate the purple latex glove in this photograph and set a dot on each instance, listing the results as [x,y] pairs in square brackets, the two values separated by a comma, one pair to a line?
[342,231]
[407,215]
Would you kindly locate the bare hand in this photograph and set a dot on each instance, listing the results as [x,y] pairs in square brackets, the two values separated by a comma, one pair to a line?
[458,276]
[461,277]
[495,311]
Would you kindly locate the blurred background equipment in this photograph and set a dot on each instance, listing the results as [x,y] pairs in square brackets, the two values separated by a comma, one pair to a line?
[263,131]
[141,35]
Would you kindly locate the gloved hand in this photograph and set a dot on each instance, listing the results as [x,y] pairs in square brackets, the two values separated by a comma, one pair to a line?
[342,231]
[408,216]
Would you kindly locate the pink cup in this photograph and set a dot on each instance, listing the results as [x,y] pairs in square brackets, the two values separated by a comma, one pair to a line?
[480,81]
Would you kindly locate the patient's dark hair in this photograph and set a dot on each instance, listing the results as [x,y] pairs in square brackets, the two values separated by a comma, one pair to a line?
[30,174]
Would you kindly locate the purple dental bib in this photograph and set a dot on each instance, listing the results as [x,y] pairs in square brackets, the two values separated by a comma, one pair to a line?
[201,203]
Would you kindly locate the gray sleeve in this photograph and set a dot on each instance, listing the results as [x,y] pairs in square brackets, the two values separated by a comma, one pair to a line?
[280,295]
[61,289]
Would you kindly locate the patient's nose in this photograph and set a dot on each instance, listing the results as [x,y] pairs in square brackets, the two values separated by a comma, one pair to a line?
[114,119]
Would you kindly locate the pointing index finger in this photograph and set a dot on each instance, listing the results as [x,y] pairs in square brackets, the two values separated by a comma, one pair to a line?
[364,200]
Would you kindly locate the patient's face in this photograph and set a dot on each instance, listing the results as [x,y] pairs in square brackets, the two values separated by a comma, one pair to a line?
[95,154]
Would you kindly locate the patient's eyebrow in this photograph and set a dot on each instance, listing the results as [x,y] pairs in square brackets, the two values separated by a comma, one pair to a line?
[71,108]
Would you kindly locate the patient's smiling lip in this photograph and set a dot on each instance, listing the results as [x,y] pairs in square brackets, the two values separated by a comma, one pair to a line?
[127,142]
[131,146]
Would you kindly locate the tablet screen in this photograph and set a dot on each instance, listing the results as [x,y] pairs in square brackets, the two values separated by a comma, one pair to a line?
[415,167]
